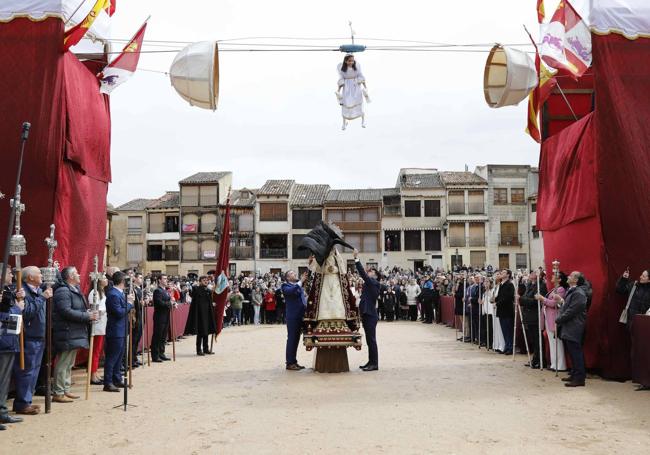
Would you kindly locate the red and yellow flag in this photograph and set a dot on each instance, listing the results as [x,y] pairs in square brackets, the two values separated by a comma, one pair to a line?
[76,33]
[538,97]
[541,14]
[110,7]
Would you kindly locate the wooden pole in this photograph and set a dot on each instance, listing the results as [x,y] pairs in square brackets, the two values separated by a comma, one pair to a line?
[539,324]
[171,326]
[130,349]
[90,364]
[48,358]
[19,286]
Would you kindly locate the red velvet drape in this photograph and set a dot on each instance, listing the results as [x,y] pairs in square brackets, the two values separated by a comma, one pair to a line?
[67,160]
[594,197]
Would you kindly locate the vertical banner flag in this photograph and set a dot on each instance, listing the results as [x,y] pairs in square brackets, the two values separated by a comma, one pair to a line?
[110,7]
[122,68]
[566,41]
[540,11]
[76,33]
[221,272]
[539,95]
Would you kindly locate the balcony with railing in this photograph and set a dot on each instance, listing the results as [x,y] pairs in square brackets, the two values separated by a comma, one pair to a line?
[359,225]
[457,241]
[476,208]
[241,252]
[392,210]
[510,239]
[273,253]
[134,231]
[476,241]
[456,207]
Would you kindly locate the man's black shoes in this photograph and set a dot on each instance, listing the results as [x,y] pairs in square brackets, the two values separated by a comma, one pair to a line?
[370,368]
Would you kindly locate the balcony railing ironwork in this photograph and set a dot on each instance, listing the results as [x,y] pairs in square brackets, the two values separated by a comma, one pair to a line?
[510,239]
[273,253]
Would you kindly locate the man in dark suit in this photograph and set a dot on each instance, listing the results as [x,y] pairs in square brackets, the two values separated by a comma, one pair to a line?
[571,322]
[294,298]
[530,314]
[367,308]
[117,310]
[162,303]
[505,302]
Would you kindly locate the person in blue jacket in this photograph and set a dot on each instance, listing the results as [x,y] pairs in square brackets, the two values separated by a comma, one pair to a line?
[11,303]
[295,302]
[118,308]
[368,310]
[34,336]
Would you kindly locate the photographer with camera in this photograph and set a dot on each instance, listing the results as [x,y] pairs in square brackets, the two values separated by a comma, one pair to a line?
[12,304]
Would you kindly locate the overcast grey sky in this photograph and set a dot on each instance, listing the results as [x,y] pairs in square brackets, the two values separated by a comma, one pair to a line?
[278,116]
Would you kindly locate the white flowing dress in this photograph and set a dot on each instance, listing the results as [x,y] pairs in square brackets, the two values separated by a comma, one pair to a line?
[498,341]
[351,98]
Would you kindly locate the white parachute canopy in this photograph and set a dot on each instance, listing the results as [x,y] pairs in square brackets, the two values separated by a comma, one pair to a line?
[194,74]
[509,76]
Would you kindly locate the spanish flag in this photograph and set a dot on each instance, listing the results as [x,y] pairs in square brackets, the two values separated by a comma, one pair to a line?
[76,33]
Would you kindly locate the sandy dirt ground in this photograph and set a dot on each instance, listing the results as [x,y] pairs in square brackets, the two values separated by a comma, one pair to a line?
[431,395]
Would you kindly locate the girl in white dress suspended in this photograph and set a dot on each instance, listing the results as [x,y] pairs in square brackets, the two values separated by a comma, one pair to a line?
[351,91]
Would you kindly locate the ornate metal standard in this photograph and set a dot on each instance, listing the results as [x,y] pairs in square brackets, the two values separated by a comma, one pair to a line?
[49,278]
[17,249]
[556,274]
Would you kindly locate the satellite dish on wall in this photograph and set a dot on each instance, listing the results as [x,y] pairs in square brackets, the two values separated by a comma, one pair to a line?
[509,76]
[194,74]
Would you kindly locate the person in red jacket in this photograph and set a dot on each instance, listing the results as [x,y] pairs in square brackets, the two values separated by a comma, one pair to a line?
[269,306]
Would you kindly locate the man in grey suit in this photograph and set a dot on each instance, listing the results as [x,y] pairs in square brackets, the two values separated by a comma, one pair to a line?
[571,326]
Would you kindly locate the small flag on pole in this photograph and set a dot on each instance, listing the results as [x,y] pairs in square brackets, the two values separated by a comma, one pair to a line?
[540,11]
[110,7]
[566,41]
[122,68]
[76,33]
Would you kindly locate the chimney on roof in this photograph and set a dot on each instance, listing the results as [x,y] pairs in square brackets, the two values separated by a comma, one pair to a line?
[466,168]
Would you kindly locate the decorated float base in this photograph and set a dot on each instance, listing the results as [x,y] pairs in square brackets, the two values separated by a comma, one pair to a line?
[331,338]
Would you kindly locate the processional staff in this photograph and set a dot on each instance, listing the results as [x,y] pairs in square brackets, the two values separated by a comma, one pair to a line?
[539,322]
[556,274]
[49,278]
[96,276]
[521,317]
[17,249]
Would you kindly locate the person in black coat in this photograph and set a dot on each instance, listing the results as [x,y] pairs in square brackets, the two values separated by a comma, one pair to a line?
[571,321]
[162,303]
[426,300]
[530,315]
[200,320]
[640,299]
[70,331]
[118,309]
[505,303]
[368,310]
[390,303]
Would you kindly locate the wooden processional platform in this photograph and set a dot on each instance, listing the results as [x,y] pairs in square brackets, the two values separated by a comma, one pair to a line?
[331,360]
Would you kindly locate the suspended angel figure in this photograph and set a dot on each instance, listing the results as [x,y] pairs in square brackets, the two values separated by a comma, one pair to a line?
[351,91]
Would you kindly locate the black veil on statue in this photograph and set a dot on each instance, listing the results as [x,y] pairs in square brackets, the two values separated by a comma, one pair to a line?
[320,241]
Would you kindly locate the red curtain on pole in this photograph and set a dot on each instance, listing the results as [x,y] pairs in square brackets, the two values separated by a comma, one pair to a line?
[66,169]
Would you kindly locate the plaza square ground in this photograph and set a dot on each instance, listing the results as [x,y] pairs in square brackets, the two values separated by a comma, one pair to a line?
[431,395]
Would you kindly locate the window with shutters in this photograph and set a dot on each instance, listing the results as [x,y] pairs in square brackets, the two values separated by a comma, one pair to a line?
[412,240]
[533,207]
[477,259]
[412,209]
[334,216]
[476,206]
[208,222]
[476,234]
[246,222]
[171,223]
[517,196]
[456,234]
[510,234]
[370,214]
[456,202]
[273,211]
[352,215]
[156,223]
[208,249]
[369,243]
[432,240]
[134,225]
[432,208]
[500,196]
[134,252]
[190,250]
[189,196]
[305,219]
[209,195]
